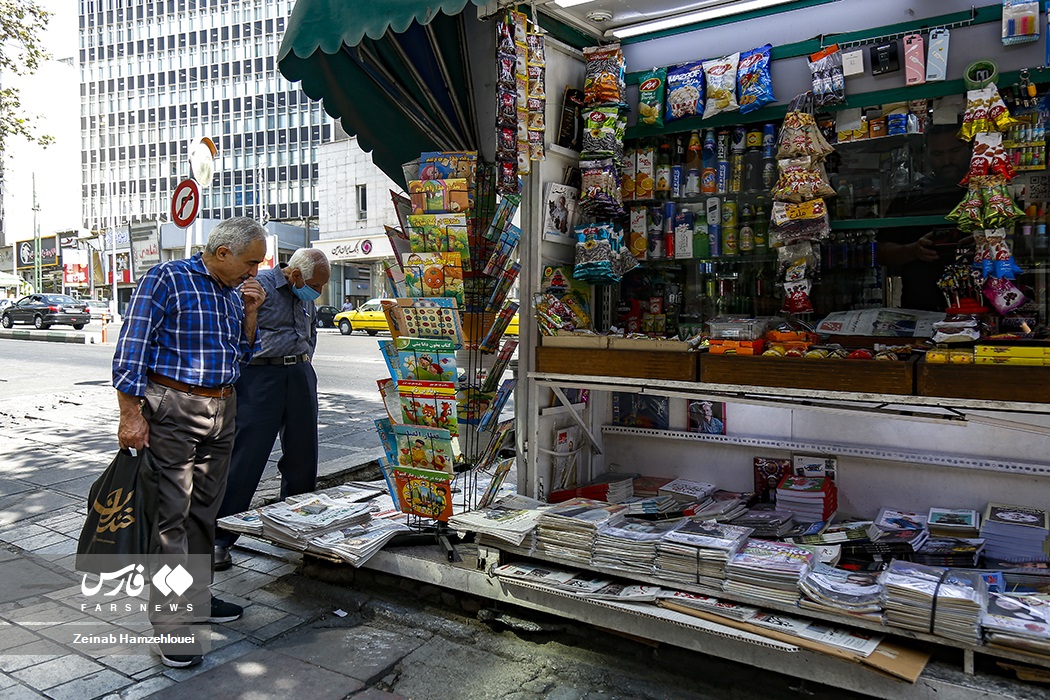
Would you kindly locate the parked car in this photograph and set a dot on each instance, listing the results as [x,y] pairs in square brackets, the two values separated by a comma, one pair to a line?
[326,316]
[4,303]
[99,310]
[46,310]
[368,318]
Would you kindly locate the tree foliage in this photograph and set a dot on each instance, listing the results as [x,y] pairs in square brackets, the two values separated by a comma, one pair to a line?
[22,25]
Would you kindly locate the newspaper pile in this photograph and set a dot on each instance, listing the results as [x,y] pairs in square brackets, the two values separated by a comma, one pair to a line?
[724,506]
[250,522]
[355,544]
[725,608]
[768,570]
[915,593]
[629,546]
[1018,622]
[949,551]
[576,583]
[567,530]
[689,493]
[771,524]
[839,591]
[293,524]
[713,544]
[1015,533]
[651,505]
[510,520]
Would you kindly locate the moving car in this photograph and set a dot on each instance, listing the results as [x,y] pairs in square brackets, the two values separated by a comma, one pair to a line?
[46,310]
[368,318]
[325,316]
[99,310]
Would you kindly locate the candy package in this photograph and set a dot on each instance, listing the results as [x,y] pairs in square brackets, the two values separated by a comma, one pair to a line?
[1002,259]
[603,82]
[685,91]
[985,111]
[720,85]
[600,192]
[967,214]
[960,282]
[801,180]
[652,89]
[756,83]
[594,255]
[796,297]
[829,82]
[1003,295]
[988,158]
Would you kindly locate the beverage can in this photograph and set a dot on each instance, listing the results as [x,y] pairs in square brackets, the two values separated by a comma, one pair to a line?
[736,172]
[769,140]
[729,240]
[729,215]
[714,238]
[722,145]
[753,139]
[722,177]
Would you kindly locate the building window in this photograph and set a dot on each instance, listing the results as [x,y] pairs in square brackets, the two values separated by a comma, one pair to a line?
[362,202]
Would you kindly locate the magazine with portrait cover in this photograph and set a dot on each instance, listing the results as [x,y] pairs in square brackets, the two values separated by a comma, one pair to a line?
[560,212]
[890,519]
[1017,616]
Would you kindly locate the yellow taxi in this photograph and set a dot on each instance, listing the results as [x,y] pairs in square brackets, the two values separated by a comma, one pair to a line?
[368,318]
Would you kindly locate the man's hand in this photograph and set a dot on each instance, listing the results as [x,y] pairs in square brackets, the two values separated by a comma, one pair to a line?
[923,249]
[254,295]
[133,430]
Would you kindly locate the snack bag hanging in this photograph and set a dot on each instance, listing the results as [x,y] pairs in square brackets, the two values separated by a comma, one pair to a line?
[685,91]
[652,89]
[720,84]
[756,83]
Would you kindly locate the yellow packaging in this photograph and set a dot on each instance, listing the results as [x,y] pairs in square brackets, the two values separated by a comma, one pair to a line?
[960,357]
[638,232]
[1015,361]
[1012,351]
[937,356]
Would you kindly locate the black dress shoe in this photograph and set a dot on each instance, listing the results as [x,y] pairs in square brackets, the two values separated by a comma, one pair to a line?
[221,559]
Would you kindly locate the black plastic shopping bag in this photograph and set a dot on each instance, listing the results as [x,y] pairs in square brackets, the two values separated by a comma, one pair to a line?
[121,520]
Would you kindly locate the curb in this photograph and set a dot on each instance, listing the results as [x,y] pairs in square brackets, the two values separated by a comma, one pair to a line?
[52,336]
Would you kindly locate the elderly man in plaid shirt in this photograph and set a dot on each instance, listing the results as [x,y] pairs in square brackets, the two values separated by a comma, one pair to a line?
[189,329]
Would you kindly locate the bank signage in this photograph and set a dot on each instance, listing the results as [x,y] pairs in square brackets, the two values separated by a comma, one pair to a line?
[360,248]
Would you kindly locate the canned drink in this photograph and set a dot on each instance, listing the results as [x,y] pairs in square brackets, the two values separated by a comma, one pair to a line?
[769,140]
[736,172]
[722,145]
[769,174]
[701,238]
[677,181]
[729,215]
[753,139]
[747,238]
[722,177]
[714,239]
[669,210]
[714,211]
[729,240]
[654,238]
[739,139]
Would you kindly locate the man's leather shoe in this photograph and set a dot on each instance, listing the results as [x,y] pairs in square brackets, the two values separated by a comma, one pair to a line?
[221,559]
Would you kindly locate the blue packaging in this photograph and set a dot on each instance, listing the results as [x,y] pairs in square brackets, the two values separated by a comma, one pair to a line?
[722,177]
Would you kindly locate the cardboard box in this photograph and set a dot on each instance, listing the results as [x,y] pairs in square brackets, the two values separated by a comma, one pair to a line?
[990,382]
[644,364]
[867,376]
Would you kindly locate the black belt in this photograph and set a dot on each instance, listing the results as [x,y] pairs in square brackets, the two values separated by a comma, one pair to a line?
[217,392]
[286,360]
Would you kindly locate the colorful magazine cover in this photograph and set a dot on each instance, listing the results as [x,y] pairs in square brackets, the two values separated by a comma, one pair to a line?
[424,448]
[498,477]
[706,416]
[768,473]
[505,211]
[641,410]
[559,215]
[396,276]
[472,404]
[439,196]
[391,400]
[430,404]
[492,414]
[499,438]
[388,350]
[503,256]
[423,492]
[495,373]
[433,317]
[440,233]
[425,359]
[434,275]
[385,428]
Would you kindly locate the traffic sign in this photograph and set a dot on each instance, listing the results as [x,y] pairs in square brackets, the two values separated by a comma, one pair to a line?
[185,203]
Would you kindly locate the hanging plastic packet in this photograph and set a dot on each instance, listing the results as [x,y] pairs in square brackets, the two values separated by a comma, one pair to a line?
[720,85]
[652,90]
[600,191]
[685,91]
[603,82]
[798,261]
[1003,264]
[801,180]
[1003,295]
[756,83]
[800,136]
[791,223]
[599,136]
[988,158]
[593,255]
[985,111]
[829,82]
[796,297]
[999,209]
[967,215]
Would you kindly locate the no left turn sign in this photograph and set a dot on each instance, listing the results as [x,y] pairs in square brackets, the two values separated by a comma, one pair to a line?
[185,203]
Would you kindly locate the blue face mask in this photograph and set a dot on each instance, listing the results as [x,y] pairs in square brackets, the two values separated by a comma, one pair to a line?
[306,292]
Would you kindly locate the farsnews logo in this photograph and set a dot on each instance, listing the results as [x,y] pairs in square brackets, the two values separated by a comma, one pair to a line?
[131,581]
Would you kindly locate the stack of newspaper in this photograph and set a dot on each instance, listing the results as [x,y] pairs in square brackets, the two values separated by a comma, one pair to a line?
[688,492]
[949,551]
[714,543]
[294,524]
[837,590]
[629,546]
[915,593]
[676,562]
[248,522]
[725,608]
[1015,533]
[769,570]
[724,506]
[357,543]
[577,583]
[853,531]
[1018,622]
[510,520]
[771,524]
[808,498]
[567,530]
[651,505]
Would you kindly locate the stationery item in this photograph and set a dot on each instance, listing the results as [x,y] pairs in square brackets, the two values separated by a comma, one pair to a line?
[914,60]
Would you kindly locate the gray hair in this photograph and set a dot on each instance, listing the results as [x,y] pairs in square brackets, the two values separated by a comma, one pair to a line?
[236,234]
[306,260]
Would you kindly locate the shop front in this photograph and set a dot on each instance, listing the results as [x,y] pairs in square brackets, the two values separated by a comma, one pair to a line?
[715,222]
[357,268]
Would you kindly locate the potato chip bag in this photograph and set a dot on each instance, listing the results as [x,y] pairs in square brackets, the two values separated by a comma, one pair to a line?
[685,91]
[651,89]
[720,80]
[756,84]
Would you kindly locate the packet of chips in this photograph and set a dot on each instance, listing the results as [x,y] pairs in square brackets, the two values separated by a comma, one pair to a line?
[685,91]
[599,138]
[796,297]
[652,89]
[720,84]
[603,80]
[801,180]
[756,83]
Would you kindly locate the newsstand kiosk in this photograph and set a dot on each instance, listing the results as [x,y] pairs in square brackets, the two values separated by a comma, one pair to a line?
[952,426]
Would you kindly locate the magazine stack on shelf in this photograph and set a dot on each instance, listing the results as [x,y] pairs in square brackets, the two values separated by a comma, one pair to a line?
[768,570]
[725,608]
[629,546]
[677,562]
[829,589]
[294,524]
[915,593]
[953,522]
[1015,533]
[770,524]
[510,520]
[809,499]
[714,543]
[567,531]
[897,534]
[357,543]
[651,505]
[851,532]
[580,584]
[610,487]
[725,506]
[696,494]
[1017,622]
[953,552]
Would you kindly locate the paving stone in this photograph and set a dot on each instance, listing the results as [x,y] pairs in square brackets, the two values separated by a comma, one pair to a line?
[47,614]
[276,629]
[255,617]
[24,578]
[58,671]
[12,637]
[6,681]
[439,664]
[564,692]
[377,694]
[18,692]
[26,505]
[30,655]
[244,583]
[282,600]
[271,675]
[362,652]
[146,688]
[213,659]
[46,537]
[90,686]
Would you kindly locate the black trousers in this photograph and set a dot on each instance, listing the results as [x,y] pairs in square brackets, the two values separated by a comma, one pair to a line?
[272,401]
